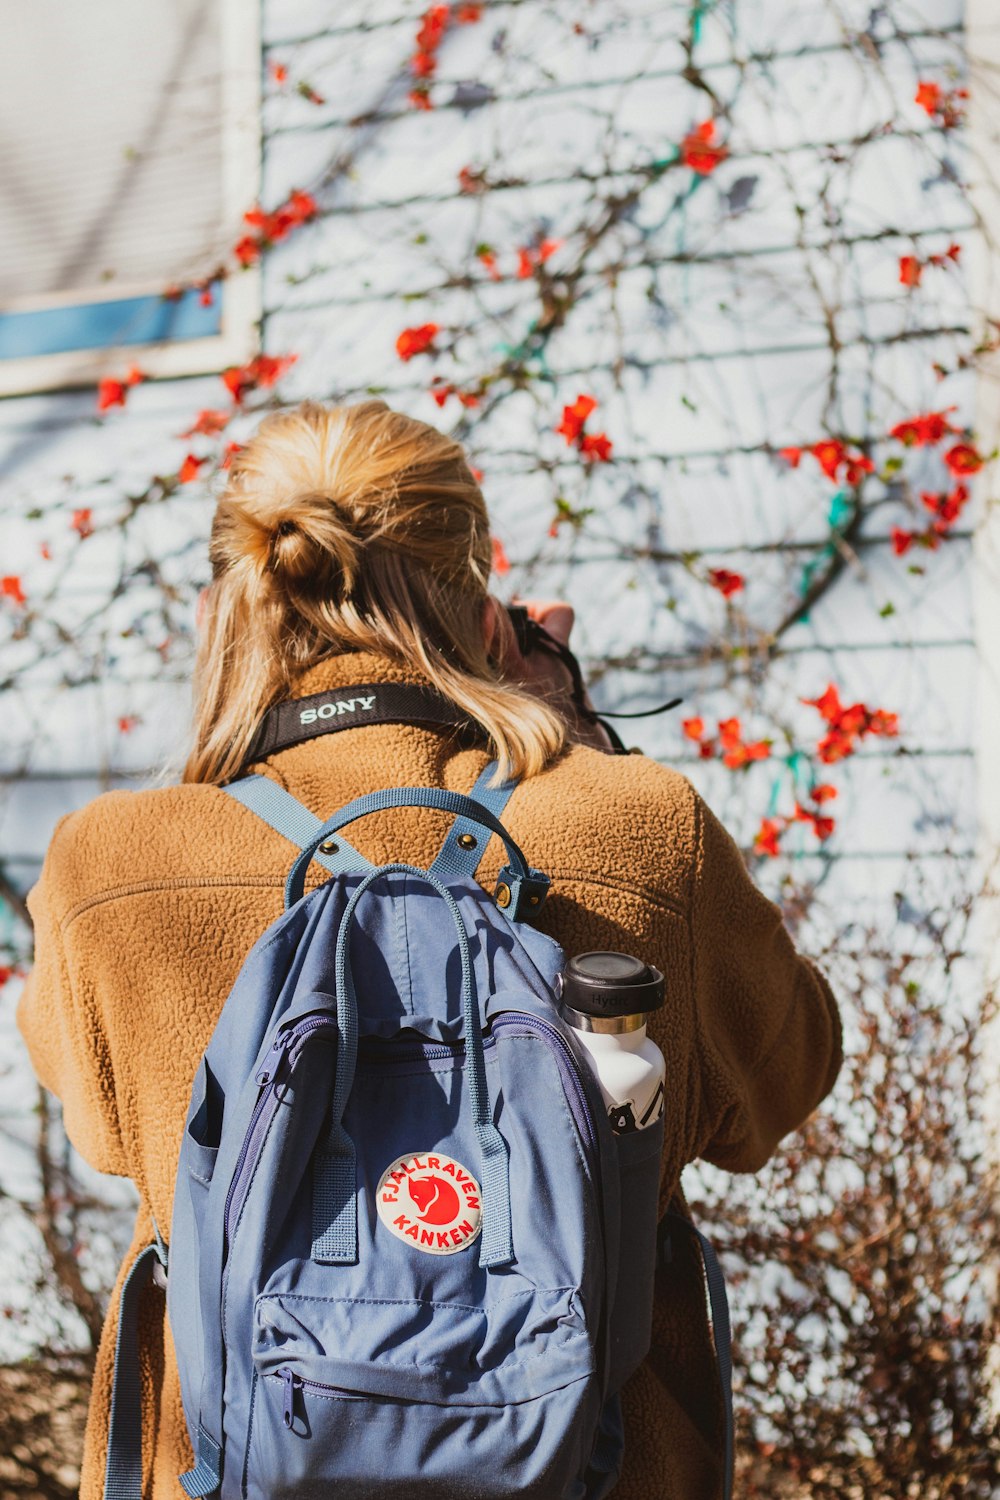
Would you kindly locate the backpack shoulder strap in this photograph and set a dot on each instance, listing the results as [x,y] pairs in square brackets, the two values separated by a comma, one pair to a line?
[287,816]
[718,1307]
[466,840]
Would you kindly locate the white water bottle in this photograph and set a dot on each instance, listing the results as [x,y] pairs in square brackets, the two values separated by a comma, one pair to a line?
[606,998]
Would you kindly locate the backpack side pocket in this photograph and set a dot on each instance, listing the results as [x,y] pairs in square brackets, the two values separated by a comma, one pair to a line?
[639,1153]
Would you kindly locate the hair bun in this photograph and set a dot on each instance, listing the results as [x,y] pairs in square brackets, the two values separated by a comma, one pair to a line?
[305,542]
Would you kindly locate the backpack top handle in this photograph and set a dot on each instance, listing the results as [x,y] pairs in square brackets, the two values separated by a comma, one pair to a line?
[518,885]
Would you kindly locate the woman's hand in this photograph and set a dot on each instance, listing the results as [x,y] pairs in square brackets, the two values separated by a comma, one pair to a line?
[542,671]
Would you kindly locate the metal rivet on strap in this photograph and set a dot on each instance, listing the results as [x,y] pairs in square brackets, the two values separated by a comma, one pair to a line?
[503,894]
[466,841]
[328,847]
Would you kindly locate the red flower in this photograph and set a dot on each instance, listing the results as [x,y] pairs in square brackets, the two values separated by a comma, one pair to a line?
[964,458]
[823,793]
[595,445]
[848,725]
[768,834]
[901,540]
[466,14]
[208,424]
[699,150]
[924,431]
[423,64]
[946,509]
[832,455]
[727,583]
[928,96]
[829,455]
[206,299]
[420,98]
[46,551]
[821,826]
[792,456]
[278,71]
[10,588]
[190,468]
[229,453]
[736,752]
[471,180]
[82,523]
[110,393]
[693,728]
[416,340]
[433,26]
[856,466]
[945,107]
[910,270]
[489,260]
[529,257]
[575,416]
[501,562]
[262,372]
[247,250]
[127,723]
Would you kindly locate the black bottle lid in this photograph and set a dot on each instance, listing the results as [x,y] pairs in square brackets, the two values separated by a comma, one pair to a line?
[611,984]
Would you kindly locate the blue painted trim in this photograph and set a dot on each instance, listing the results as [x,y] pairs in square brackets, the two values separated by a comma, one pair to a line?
[152,319]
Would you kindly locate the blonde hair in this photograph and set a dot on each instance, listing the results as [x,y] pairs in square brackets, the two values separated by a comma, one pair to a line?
[352,527]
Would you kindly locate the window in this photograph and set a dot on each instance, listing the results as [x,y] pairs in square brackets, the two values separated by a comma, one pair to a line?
[130,150]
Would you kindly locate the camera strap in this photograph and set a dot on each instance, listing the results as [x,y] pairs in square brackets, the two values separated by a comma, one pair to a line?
[302,719]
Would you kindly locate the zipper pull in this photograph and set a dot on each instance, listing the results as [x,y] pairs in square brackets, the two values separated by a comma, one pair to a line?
[272,1061]
[292,1384]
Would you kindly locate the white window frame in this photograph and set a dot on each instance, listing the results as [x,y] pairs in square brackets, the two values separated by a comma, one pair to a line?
[239,293]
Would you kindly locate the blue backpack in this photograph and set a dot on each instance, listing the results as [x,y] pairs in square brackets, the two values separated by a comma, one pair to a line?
[407,1248]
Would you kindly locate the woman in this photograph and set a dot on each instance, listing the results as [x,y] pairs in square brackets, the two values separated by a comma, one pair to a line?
[352,546]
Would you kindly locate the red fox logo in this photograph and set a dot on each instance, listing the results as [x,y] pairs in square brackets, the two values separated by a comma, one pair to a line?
[436,1199]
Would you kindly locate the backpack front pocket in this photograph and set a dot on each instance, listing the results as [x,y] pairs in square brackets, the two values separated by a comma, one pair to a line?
[429,1397]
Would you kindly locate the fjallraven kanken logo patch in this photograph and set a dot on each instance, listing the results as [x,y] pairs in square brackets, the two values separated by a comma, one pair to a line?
[430,1201]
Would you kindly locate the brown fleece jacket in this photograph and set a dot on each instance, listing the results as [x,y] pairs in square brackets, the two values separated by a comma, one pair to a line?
[149,902]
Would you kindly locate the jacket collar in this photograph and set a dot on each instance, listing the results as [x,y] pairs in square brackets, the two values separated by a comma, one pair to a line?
[346,668]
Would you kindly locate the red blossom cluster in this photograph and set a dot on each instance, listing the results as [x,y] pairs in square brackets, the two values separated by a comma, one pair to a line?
[733,750]
[529,258]
[924,431]
[912,268]
[945,508]
[441,389]
[767,840]
[593,445]
[260,373]
[700,151]
[419,340]
[268,228]
[501,562]
[114,392]
[208,423]
[434,24]
[946,107]
[82,522]
[835,459]
[472,180]
[726,582]
[10,588]
[848,725]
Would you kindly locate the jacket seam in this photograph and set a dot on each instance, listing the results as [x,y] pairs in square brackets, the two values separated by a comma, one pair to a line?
[653,897]
[178,883]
